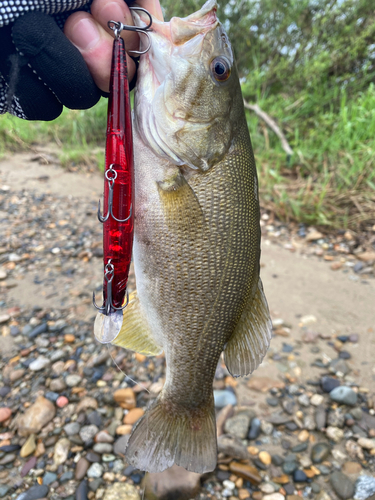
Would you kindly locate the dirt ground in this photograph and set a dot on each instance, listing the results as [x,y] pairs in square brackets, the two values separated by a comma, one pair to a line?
[295,285]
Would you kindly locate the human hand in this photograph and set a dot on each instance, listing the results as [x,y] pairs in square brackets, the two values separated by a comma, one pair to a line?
[91,35]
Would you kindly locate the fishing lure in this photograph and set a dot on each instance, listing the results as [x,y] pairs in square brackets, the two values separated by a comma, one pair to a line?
[118,213]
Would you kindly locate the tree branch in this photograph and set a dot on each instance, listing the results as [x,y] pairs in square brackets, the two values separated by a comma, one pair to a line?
[271,124]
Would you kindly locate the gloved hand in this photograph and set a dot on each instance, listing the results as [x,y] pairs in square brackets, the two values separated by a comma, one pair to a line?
[40,69]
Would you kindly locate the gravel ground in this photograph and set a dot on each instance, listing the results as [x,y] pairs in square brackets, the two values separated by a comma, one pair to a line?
[302,425]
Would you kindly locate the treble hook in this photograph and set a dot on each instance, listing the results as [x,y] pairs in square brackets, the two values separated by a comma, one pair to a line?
[111,182]
[117,27]
[107,307]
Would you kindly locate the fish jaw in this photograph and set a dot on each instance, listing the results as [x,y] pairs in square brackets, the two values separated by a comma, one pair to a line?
[175,72]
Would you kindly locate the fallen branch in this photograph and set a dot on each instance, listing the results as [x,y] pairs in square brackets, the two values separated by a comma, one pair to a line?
[271,124]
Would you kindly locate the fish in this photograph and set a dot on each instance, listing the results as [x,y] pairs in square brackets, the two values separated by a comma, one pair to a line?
[196,237]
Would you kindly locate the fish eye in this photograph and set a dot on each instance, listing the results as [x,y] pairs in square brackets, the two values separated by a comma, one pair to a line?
[220,69]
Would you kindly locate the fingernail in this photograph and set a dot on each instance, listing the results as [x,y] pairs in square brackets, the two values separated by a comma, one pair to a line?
[85,34]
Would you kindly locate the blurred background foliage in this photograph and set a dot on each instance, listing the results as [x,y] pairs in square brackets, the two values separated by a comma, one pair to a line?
[310,65]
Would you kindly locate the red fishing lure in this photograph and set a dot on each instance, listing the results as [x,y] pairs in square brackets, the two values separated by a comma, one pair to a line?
[118,213]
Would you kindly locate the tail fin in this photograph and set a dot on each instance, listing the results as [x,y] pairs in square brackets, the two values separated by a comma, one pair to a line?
[168,434]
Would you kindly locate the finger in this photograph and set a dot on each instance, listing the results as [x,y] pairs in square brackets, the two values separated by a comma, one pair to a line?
[116,10]
[95,45]
[154,8]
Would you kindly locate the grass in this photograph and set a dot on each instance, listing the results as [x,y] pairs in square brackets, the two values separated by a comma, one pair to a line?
[329,180]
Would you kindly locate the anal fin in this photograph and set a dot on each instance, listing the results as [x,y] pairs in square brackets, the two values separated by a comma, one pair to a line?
[249,343]
[135,332]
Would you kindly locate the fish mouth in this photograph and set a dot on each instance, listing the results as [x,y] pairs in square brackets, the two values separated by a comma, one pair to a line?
[179,38]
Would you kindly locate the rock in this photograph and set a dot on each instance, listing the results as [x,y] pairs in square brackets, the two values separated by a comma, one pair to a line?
[320,418]
[176,483]
[29,447]
[62,401]
[255,427]
[16,375]
[86,403]
[265,457]
[342,485]
[329,383]
[42,328]
[57,385]
[351,469]
[344,395]
[82,490]
[304,400]
[49,477]
[104,437]
[102,448]
[73,380]
[336,418]
[264,384]
[317,399]
[320,452]
[34,493]
[274,496]
[354,450]
[124,491]
[238,425]
[120,445]
[5,413]
[224,398]
[367,444]
[335,434]
[95,470]
[323,495]
[266,427]
[247,472]
[36,417]
[61,451]
[88,432]
[125,398]
[81,468]
[279,418]
[232,447]
[4,490]
[72,428]
[364,487]
[267,488]
[299,476]
[133,416]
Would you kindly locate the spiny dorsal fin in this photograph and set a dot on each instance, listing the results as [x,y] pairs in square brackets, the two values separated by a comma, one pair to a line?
[251,338]
[135,333]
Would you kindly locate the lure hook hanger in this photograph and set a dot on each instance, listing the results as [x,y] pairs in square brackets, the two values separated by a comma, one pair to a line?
[117,27]
[108,307]
[111,176]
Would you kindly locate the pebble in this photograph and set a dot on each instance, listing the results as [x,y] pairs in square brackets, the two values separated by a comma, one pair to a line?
[82,490]
[5,413]
[72,428]
[95,470]
[342,485]
[125,398]
[61,451]
[255,428]
[245,471]
[274,496]
[266,427]
[62,401]
[102,448]
[319,452]
[367,444]
[335,434]
[232,447]
[344,395]
[34,493]
[364,487]
[265,457]
[299,476]
[87,432]
[133,416]
[42,328]
[122,490]
[329,383]
[73,380]
[4,490]
[304,400]
[238,425]
[81,468]
[224,398]
[49,477]
[29,447]
[36,417]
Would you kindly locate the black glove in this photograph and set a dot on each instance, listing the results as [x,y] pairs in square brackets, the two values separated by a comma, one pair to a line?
[40,69]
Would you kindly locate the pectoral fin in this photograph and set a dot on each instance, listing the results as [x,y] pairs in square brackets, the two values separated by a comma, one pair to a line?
[251,338]
[135,332]
[180,204]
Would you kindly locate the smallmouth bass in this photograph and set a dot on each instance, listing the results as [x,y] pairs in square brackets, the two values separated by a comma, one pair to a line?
[197,238]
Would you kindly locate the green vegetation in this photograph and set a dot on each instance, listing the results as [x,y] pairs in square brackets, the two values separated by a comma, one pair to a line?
[310,65]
